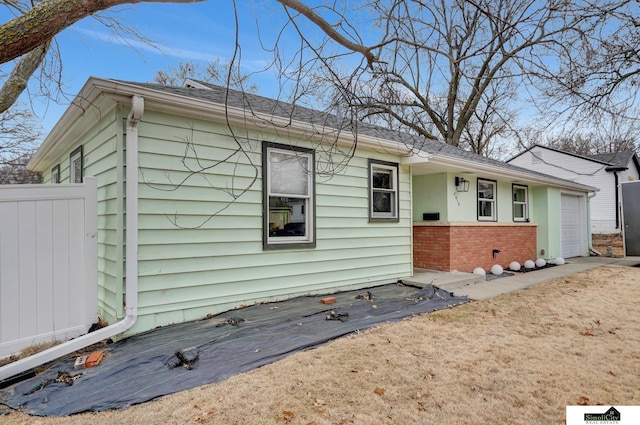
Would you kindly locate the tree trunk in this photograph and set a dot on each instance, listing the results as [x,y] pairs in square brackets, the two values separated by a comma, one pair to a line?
[40,24]
[19,77]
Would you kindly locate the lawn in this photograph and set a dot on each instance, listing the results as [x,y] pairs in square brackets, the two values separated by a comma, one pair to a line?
[519,359]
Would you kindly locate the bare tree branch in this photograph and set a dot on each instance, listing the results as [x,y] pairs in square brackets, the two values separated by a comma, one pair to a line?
[328,29]
[40,24]
[17,81]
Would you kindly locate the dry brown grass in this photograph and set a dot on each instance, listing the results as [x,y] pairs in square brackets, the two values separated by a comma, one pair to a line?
[517,359]
[29,351]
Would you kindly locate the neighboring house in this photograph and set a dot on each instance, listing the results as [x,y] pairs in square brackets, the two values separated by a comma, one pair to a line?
[603,171]
[211,199]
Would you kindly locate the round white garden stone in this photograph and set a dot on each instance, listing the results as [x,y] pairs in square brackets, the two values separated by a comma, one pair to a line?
[515,266]
[540,262]
[529,264]
[559,261]
[496,269]
[479,271]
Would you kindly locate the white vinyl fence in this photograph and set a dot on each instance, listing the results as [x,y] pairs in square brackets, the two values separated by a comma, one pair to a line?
[48,263]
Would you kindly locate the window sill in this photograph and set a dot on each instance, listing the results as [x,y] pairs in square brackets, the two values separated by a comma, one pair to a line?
[384,220]
[292,245]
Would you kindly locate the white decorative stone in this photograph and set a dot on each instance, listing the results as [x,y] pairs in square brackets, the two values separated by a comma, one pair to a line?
[540,262]
[496,269]
[515,266]
[559,261]
[529,264]
[479,271]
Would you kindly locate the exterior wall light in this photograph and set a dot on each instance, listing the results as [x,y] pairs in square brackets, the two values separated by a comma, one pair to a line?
[462,185]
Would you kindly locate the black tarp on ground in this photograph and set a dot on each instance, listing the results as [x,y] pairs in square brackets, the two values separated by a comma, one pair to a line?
[145,366]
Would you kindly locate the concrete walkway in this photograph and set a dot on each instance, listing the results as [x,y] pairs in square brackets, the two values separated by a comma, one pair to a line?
[477,288]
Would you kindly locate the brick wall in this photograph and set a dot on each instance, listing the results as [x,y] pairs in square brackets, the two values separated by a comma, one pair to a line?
[465,247]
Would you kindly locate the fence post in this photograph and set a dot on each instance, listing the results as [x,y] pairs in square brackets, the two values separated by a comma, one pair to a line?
[91,248]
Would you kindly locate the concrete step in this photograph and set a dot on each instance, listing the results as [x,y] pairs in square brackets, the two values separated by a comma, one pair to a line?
[449,281]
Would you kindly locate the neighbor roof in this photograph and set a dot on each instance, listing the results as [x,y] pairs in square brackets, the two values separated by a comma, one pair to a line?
[617,159]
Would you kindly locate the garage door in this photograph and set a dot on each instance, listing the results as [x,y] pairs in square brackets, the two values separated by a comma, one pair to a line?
[571,226]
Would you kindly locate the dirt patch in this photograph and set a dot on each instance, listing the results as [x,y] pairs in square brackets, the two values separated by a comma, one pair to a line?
[518,359]
[608,243]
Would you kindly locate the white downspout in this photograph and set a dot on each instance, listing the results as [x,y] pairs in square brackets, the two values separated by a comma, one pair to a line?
[131,267]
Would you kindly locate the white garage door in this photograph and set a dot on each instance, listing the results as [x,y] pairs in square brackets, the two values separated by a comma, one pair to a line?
[571,226]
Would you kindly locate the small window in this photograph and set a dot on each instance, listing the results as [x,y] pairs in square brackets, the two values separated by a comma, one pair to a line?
[76,166]
[487,190]
[289,196]
[520,203]
[55,174]
[383,193]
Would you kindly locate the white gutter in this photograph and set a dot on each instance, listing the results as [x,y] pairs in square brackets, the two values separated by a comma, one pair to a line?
[131,276]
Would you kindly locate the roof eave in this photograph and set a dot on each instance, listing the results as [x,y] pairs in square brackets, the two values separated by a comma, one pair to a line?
[87,101]
[205,109]
[118,91]
[510,173]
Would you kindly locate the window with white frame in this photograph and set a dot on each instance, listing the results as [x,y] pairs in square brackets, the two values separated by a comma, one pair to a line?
[55,174]
[289,196]
[520,203]
[76,166]
[383,193]
[487,191]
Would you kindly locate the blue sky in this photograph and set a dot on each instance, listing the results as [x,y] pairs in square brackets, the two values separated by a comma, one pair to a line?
[190,32]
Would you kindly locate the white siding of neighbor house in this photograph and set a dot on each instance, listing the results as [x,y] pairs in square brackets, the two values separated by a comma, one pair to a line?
[631,174]
[579,170]
[200,233]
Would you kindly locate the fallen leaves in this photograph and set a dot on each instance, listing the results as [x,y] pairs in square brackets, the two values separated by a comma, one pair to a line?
[286,416]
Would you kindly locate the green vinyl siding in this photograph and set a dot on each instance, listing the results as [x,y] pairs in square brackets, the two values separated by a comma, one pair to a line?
[430,195]
[437,193]
[200,237]
[545,212]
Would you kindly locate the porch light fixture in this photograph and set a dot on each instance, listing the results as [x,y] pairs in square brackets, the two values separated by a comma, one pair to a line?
[462,185]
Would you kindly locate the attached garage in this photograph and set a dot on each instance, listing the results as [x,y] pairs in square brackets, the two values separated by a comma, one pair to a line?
[572,225]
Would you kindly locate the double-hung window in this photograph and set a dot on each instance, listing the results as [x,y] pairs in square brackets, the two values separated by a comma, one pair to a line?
[288,196]
[520,203]
[487,191]
[383,191]
[76,165]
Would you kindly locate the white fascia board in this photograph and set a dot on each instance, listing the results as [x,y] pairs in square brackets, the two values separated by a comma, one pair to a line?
[510,174]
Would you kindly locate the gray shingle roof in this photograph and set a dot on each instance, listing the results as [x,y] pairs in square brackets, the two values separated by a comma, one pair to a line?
[260,104]
[617,159]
